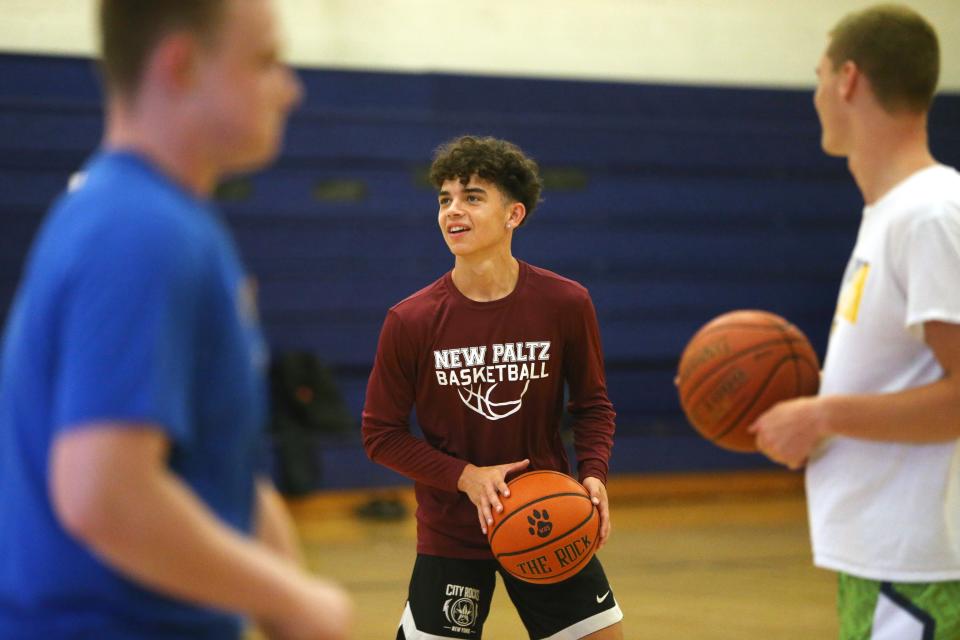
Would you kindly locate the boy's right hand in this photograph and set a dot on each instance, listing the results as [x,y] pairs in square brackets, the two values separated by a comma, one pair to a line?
[323,611]
[485,485]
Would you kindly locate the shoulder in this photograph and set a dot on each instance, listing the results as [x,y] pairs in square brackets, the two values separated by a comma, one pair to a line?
[125,226]
[939,184]
[132,213]
[423,303]
[945,193]
[550,286]
[933,194]
[411,320]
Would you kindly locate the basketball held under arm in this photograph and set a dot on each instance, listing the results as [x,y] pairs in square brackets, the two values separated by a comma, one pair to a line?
[112,491]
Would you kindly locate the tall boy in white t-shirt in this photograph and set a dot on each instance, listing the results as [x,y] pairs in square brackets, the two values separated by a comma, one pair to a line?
[882,440]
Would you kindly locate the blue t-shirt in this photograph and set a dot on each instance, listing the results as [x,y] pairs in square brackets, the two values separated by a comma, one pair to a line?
[133,308]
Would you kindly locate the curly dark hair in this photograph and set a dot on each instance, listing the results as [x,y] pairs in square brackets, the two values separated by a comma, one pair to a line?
[493,160]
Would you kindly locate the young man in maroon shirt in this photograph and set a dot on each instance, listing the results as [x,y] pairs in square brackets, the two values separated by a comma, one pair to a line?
[483,354]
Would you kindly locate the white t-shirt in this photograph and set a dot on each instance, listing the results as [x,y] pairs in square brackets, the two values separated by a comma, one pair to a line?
[883,510]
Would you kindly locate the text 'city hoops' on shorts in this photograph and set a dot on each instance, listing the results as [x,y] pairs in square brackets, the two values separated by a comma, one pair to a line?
[450,598]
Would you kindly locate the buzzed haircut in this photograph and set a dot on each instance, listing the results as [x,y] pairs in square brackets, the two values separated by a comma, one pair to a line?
[130,29]
[896,49]
[497,161]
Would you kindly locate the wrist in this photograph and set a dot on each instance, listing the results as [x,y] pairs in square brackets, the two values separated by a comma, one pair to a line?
[292,598]
[825,416]
[592,470]
[461,482]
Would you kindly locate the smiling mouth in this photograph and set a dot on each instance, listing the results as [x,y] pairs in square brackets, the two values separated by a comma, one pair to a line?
[457,229]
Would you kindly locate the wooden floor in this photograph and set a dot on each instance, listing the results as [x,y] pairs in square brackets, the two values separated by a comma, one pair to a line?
[704,557]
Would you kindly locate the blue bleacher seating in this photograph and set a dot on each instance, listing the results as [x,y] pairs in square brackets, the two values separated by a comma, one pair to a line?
[685,202]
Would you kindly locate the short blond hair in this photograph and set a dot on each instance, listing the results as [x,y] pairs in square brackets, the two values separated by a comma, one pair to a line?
[131,29]
[896,49]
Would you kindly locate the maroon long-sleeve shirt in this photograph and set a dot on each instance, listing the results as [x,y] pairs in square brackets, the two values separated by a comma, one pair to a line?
[487,382]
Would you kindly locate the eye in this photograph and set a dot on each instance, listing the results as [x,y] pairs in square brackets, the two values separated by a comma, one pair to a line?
[269,59]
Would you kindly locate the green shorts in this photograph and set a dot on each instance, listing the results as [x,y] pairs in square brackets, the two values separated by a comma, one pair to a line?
[874,610]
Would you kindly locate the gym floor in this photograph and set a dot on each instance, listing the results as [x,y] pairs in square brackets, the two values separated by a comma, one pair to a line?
[719,556]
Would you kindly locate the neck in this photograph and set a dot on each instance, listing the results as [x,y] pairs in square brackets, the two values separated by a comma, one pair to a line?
[487,279]
[159,137]
[889,152]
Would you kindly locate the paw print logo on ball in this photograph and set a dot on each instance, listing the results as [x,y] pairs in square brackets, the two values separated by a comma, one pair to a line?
[540,524]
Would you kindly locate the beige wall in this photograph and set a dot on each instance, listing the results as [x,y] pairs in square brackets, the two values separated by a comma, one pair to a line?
[752,42]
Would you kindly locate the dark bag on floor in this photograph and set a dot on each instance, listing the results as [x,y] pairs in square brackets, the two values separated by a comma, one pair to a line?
[306,408]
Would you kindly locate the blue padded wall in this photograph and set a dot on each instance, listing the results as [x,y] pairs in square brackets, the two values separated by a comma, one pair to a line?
[671,204]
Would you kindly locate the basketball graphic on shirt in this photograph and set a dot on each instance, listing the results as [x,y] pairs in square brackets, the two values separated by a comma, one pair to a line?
[491,380]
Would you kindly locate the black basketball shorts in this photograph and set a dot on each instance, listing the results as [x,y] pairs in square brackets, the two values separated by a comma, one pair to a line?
[450,598]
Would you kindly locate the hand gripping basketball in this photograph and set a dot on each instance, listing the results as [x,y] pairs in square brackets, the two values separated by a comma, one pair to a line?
[484,485]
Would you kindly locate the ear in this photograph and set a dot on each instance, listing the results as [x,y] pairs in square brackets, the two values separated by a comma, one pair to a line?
[517,213]
[173,64]
[850,78]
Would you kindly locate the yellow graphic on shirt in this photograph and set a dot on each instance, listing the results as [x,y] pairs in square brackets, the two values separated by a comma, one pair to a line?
[848,306]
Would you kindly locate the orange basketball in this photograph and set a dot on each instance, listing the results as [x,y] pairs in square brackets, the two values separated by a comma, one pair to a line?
[739,365]
[547,530]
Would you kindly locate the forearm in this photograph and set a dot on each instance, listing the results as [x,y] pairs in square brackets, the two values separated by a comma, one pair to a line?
[275,528]
[396,448]
[926,414]
[159,534]
[593,440]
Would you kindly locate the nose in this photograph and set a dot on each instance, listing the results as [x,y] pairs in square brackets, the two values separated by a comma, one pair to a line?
[454,208]
[294,88]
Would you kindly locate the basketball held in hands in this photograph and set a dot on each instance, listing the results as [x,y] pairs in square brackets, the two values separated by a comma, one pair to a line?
[548,530]
[739,365]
